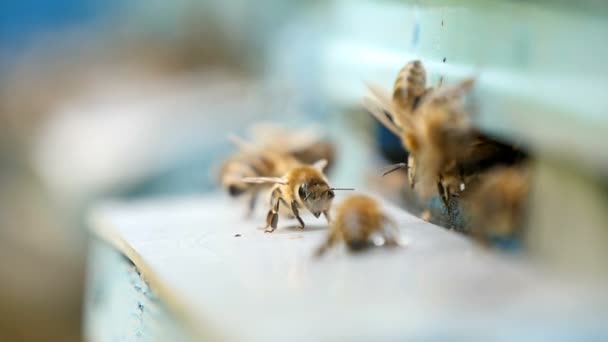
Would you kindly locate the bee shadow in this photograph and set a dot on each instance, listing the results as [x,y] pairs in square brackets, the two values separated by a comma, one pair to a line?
[296,229]
[309,228]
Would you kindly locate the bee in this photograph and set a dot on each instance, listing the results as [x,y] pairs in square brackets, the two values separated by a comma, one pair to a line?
[432,129]
[304,187]
[445,151]
[307,144]
[252,161]
[409,88]
[438,137]
[497,203]
[451,152]
[397,112]
[358,218]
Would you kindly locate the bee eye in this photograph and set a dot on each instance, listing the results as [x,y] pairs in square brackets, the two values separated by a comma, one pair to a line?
[331,194]
[234,190]
[302,191]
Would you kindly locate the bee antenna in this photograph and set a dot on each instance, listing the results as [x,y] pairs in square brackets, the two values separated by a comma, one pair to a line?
[348,189]
[394,167]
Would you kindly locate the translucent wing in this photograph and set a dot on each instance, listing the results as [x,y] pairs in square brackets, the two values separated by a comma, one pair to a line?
[265,180]
[320,164]
[379,105]
[242,143]
[289,140]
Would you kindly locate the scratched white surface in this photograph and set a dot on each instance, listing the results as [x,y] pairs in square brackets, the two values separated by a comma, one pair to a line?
[267,287]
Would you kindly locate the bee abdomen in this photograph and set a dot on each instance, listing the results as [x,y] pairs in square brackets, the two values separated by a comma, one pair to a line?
[410,84]
[358,245]
[357,226]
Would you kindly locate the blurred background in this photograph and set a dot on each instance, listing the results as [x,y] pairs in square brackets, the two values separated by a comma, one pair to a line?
[123,99]
[126,99]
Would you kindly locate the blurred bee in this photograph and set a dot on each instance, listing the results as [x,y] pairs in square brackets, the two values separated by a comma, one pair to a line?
[409,88]
[450,152]
[433,130]
[272,152]
[496,204]
[397,112]
[307,144]
[358,219]
[445,151]
[304,187]
[252,161]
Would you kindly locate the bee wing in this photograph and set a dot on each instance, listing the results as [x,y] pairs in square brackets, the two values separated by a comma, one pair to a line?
[270,134]
[452,92]
[265,180]
[379,104]
[320,164]
[381,115]
[241,143]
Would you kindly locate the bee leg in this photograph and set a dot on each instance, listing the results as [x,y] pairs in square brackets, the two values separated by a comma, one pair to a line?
[331,240]
[391,235]
[445,198]
[272,219]
[271,222]
[296,213]
[461,186]
[327,217]
[252,202]
[411,171]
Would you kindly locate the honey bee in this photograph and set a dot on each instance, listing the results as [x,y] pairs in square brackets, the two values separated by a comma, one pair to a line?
[438,138]
[433,131]
[397,113]
[358,218]
[272,151]
[307,144]
[445,150]
[303,187]
[252,161]
[409,88]
[452,153]
[496,204]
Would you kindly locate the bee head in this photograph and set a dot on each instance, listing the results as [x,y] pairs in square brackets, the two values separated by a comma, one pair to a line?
[236,189]
[232,177]
[316,196]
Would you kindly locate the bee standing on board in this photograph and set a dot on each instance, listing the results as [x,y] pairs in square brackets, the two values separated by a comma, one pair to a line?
[358,218]
[304,187]
[252,161]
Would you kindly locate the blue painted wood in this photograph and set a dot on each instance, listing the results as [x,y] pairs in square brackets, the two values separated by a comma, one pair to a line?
[119,304]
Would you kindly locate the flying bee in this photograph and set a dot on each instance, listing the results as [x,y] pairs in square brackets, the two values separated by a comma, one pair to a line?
[440,135]
[396,113]
[303,187]
[445,151]
[433,131]
[452,153]
[358,218]
[252,161]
